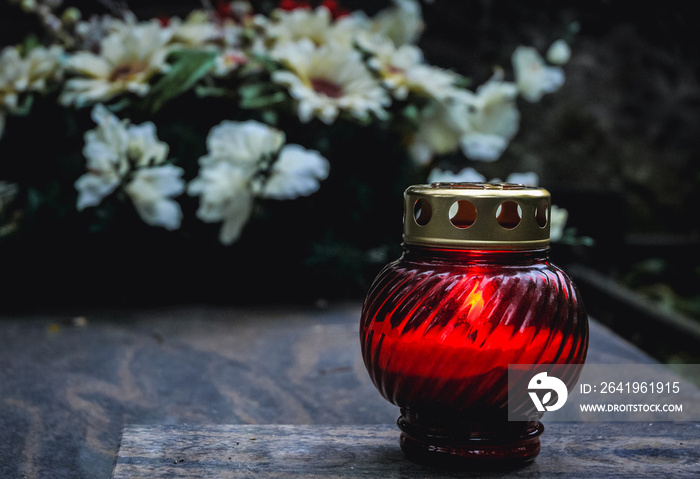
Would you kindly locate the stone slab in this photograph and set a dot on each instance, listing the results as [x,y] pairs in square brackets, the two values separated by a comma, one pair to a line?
[572,450]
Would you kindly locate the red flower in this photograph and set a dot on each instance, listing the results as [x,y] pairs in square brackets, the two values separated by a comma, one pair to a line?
[336,10]
[223,9]
[294,5]
[163,20]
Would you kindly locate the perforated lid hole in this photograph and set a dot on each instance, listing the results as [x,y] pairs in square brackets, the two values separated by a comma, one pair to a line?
[542,213]
[462,214]
[422,212]
[509,214]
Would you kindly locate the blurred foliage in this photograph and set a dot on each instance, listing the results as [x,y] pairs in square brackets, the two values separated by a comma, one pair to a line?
[672,285]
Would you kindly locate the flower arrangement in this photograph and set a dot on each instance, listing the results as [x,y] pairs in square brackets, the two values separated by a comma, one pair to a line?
[205,127]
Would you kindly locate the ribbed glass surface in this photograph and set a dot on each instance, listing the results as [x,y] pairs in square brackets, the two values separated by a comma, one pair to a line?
[440,327]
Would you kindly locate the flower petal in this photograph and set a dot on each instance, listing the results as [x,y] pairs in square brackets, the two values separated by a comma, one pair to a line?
[297,172]
[151,190]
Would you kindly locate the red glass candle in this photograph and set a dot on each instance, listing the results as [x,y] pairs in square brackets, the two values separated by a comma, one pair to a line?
[473,293]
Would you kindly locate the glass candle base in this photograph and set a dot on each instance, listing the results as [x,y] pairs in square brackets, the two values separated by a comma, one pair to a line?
[458,443]
[473,294]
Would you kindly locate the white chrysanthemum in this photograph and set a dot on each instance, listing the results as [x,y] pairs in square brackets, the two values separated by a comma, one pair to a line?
[128,59]
[196,30]
[237,151]
[488,119]
[32,72]
[152,189]
[91,32]
[402,23]
[224,196]
[143,146]
[19,75]
[532,76]
[242,143]
[131,156]
[11,63]
[297,172]
[559,53]
[106,153]
[481,123]
[403,70]
[437,134]
[231,34]
[316,25]
[240,166]
[329,80]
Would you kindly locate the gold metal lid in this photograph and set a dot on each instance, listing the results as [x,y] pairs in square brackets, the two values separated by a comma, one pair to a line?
[477,216]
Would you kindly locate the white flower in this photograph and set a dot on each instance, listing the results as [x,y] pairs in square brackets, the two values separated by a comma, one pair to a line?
[242,143]
[224,195]
[10,73]
[107,163]
[529,178]
[20,75]
[559,53]
[32,72]
[316,25]
[328,80]
[143,146]
[403,70]
[241,166]
[557,223]
[151,191]
[196,30]
[533,77]
[467,175]
[128,59]
[487,119]
[482,147]
[402,22]
[119,154]
[437,134]
[90,33]
[297,172]
[481,123]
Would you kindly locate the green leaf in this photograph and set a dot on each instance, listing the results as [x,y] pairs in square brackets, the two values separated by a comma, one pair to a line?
[270,117]
[249,92]
[263,61]
[204,91]
[25,106]
[263,101]
[412,114]
[189,67]
[30,43]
